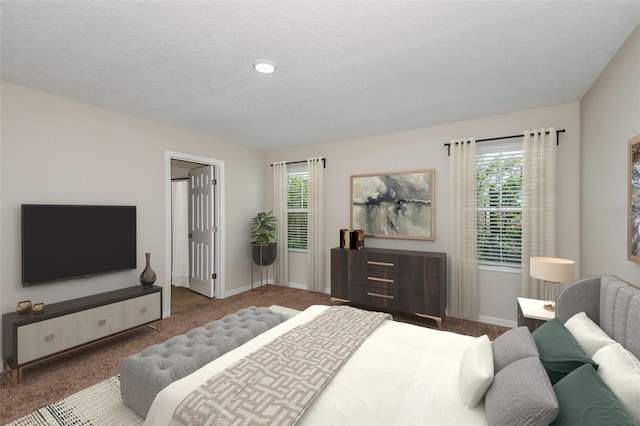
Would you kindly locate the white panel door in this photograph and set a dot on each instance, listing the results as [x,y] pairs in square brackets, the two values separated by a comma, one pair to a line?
[202,224]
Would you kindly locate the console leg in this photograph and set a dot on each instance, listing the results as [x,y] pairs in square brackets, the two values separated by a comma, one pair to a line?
[156,327]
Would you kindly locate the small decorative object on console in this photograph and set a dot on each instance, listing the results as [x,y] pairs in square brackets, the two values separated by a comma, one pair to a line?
[148,276]
[344,238]
[24,307]
[38,308]
[357,239]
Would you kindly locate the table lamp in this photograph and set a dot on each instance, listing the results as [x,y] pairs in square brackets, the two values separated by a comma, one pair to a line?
[553,271]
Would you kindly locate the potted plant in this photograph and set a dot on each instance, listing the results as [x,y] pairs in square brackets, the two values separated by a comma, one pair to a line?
[263,231]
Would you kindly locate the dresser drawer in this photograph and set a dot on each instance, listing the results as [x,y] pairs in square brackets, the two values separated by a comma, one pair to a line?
[340,257]
[400,282]
[339,280]
[407,264]
[100,322]
[377,298]
[417,304]
[141,310]
[372,261]
[47,337]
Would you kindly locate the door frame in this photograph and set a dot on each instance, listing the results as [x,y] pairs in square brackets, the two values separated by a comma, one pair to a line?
[218,211]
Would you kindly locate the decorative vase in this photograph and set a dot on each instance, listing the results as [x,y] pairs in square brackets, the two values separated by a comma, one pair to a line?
[24,307]
[148,276]
[38,308]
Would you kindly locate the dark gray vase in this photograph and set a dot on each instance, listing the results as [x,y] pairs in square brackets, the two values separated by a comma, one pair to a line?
[264,254]
[148,276]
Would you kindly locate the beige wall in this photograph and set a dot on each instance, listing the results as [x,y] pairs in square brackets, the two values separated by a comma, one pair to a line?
[609,117]
[423,149]
[56,150]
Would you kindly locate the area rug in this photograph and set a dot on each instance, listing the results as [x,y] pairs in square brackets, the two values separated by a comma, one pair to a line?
[99,404]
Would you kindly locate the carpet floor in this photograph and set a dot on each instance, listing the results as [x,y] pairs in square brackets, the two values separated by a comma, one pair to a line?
[57,378]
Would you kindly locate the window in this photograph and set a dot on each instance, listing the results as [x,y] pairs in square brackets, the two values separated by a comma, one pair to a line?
[297,208]
[499,179]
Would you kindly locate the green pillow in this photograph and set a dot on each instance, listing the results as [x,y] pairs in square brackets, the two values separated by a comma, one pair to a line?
[559,351]
[585,400]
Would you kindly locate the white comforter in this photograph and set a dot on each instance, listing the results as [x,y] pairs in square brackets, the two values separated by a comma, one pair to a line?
[401,375]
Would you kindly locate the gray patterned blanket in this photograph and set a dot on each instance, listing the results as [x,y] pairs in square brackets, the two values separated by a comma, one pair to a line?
[275,384]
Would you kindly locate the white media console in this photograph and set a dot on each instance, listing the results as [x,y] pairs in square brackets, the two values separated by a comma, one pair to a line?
[29,338]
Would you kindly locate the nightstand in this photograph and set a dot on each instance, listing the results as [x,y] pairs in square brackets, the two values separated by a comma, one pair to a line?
[532,313]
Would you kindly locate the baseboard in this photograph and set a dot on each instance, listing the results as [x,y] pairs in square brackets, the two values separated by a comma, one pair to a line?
[235,291]
[497,321]
[256,285]
[246,288]
[298,286]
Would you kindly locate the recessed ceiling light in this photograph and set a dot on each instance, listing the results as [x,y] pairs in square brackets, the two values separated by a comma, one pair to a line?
[264,66]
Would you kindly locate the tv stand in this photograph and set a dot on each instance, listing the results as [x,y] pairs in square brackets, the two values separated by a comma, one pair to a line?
[64,326]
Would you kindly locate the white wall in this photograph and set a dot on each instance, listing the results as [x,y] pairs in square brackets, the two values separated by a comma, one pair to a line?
[423,149]
[59,151]
[609,117]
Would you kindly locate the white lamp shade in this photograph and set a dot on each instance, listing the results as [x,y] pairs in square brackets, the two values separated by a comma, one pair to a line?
[552,269]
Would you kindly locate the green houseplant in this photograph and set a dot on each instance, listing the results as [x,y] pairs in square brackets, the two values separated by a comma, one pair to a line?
[263,231]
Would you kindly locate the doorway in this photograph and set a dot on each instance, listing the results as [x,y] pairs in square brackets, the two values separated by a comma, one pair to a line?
[194,265]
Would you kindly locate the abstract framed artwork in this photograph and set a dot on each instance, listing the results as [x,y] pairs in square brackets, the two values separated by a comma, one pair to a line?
[394,205]
[633,195]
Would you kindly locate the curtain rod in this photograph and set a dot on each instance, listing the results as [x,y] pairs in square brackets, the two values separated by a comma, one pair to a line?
[448,145]
[324,162]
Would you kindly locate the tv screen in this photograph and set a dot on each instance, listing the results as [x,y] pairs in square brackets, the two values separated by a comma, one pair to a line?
[61,242]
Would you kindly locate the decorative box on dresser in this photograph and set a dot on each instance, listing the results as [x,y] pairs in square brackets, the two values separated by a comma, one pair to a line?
[394,280]
[29,338]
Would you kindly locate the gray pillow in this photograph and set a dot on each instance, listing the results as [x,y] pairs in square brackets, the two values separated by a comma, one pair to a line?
[512,346]
[521,394]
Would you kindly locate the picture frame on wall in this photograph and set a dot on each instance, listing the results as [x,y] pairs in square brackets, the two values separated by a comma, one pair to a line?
[394,205]
[633,207]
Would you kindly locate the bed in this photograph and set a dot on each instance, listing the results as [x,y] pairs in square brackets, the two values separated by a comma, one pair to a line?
[405,374]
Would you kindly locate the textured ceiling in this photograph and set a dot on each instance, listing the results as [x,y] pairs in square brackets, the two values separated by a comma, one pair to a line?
[345,69]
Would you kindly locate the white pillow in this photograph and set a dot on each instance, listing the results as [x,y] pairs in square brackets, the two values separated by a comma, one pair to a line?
[620,370]
[476,371]
[590,337]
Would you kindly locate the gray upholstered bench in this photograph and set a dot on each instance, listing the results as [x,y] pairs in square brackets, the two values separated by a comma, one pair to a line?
[145,374]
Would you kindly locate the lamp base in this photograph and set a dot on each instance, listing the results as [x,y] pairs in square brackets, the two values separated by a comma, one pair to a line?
[550,306]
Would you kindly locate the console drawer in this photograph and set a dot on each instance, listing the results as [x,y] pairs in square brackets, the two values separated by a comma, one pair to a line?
[99,322]
[44,338]
[141,310]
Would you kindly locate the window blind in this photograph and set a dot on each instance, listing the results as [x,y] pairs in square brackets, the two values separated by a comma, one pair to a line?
[297,209]
[499,180]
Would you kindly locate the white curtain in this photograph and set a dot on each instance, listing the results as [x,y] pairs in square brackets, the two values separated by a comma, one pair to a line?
[280,212]
[315,225]
[538,206]
[180,233]
[463,218]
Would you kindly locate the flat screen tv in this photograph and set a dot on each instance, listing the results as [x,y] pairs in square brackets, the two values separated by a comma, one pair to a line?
[62,242]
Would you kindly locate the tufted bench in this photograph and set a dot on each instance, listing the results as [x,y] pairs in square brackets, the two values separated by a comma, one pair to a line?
[145,374]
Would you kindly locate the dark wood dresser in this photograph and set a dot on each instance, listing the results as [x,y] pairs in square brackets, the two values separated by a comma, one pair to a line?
[394,280]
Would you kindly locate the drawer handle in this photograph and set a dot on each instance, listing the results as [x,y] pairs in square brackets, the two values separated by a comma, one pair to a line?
[143,310]
[384,280]
[48,337]
[383,296]
[102,322]
[373,262]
